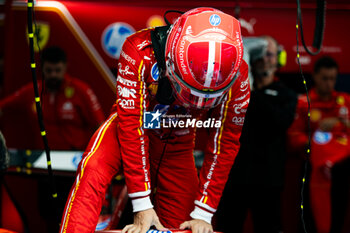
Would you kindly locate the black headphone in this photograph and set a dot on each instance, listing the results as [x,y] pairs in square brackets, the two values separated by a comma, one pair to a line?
[159,36]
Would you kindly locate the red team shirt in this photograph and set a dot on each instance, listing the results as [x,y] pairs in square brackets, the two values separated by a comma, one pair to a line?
[337,140]
[327,148]
[71,115]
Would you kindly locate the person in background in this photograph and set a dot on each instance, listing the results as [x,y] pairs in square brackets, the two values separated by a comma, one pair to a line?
[329,116]
[257,176]
[70,108]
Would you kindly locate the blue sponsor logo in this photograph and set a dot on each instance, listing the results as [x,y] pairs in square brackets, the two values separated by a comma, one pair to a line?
[155,72]
[113,38]
[215,20]
[103,225]
[151,120]
[322,137]
[76,159]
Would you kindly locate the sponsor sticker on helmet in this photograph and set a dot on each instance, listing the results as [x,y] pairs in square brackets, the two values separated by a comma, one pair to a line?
[114,36]
[155,72]
[215,20]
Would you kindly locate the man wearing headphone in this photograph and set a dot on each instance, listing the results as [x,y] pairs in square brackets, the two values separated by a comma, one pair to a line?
[257,177]
[194,68]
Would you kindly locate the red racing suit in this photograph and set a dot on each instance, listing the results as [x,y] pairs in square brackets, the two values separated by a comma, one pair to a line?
[159,158]
[326,147]
[71,115]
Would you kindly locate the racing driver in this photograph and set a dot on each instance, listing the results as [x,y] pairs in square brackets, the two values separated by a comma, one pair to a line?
[193,69]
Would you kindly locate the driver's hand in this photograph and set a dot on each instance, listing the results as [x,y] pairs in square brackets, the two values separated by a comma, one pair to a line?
[143,220]
[197,226]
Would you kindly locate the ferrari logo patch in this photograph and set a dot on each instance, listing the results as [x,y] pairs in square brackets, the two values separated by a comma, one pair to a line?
[41,35]
[340,100]
[69,92]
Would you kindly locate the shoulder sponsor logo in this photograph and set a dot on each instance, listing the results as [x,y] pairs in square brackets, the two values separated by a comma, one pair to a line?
[114,36]
[238,120]
[126,92]
[238,109]
[215,20]
[127,103]
[241,97]
[125,71]
[128,58]
[126,82]
[241,107]
[143,44]
[244,85]
[155,72]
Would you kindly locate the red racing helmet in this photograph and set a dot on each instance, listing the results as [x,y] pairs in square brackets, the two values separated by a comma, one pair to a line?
[203,53]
